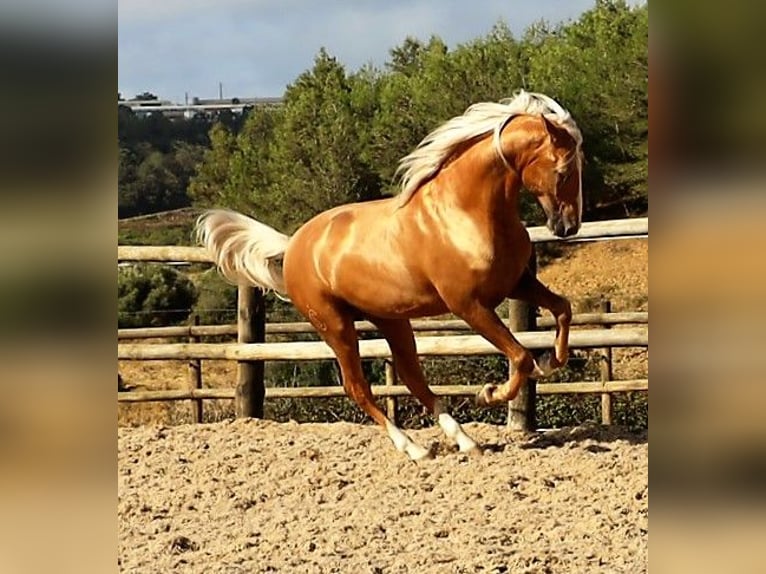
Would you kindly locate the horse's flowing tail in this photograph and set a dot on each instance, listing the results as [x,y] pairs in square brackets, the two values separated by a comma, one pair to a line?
[245,250]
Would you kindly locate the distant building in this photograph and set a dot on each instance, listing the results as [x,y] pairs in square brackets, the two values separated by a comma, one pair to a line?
[197,106]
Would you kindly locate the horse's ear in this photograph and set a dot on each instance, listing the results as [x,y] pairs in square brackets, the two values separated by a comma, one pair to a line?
[557,133]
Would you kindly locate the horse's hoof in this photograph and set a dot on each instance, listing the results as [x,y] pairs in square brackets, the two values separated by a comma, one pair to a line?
[544,365]
[475,451]
[418,454]
[484,396]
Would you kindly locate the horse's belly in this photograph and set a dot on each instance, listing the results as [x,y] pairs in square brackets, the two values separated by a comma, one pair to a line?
[386,290]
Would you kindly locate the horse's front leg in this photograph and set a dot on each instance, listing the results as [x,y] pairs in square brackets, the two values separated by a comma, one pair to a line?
[485,321]
[531,290]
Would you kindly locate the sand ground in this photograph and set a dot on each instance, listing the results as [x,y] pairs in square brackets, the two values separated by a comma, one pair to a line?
[260,496]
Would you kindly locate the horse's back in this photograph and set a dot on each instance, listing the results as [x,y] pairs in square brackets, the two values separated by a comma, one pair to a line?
[361,254]
[339,225]
[318,244]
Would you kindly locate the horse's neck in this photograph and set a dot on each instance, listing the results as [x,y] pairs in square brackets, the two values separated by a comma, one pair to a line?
[477,183]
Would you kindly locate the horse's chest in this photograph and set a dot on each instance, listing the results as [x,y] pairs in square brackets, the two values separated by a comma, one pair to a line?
[496,276]
[498,257]
[473,244]
[503,270]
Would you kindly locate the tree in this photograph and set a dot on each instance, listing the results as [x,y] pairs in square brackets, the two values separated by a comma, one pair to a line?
[290,163]
[339,137]
[318,154]
[209,185]
[597,67]
[127,194]
[428,84]
[409,104]
[406,59]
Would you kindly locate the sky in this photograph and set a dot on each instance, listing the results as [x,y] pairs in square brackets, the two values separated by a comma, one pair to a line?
[255,48]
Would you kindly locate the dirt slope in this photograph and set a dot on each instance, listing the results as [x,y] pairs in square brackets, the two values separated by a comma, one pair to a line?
[615,270]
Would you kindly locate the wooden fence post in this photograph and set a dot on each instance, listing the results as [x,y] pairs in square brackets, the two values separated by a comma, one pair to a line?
[391,401]
[521,317]
[251,328]
[606,372]
[195,373]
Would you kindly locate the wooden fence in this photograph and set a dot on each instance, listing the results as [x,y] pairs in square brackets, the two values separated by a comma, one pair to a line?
[251,350]
[194,329]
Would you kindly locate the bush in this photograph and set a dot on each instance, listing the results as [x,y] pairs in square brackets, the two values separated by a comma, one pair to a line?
[216,299]
[153,296]
[217,304]
[630,410]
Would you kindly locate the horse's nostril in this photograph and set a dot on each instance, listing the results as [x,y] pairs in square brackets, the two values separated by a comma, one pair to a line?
[570,230]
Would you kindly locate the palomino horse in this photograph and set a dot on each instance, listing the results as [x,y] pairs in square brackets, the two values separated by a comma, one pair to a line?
[451,241]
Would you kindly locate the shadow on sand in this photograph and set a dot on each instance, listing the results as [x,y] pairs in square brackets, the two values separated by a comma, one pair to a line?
[582,433]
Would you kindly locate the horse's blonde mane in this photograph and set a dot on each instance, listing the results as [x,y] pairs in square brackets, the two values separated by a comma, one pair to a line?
[479,119]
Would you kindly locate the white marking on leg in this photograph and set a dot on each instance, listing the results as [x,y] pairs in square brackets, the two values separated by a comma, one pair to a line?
[404,444]
[453,430]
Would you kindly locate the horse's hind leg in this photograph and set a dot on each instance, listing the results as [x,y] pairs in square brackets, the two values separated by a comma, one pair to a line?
[398,333]
[337,329]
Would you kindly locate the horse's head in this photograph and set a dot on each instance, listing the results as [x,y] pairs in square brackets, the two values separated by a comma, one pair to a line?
[541,146]
[554,175]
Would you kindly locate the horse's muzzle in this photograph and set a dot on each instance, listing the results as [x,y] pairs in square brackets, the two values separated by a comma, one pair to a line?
[561,227]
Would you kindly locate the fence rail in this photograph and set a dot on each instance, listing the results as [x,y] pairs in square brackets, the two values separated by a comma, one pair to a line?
[419,326]
[378,391]
[373,348]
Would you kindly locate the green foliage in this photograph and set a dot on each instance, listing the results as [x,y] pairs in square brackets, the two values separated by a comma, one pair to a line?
[428,84]
[167,235]
[235,168]
[314,410]
[290,163]
[209,185]
[152,296]
[598,68]
[151,180]
[158,157]
[164,228]
[216,301]
[630,410]
[302,374]
[339,136]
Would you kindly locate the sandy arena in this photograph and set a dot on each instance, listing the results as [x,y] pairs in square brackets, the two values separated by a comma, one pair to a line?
[254,496]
